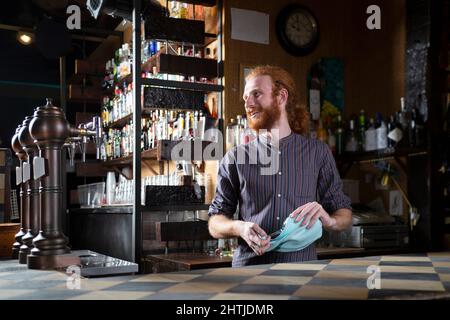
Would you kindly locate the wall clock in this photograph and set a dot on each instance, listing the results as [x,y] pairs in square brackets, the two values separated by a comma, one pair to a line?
[297,30]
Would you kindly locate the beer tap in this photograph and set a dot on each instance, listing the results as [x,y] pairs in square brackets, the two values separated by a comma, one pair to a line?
[93,129]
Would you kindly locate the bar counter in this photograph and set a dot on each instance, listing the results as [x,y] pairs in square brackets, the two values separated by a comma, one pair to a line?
[405,276]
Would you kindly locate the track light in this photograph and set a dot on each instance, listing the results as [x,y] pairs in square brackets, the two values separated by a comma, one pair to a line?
[25,38]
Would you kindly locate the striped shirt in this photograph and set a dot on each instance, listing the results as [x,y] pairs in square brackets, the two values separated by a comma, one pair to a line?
[302,170]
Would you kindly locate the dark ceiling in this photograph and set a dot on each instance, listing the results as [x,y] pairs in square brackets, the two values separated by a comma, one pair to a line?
[31,14]
[28,13]
[26,67]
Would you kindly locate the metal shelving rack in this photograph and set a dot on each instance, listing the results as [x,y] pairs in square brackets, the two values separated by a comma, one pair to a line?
[137,115]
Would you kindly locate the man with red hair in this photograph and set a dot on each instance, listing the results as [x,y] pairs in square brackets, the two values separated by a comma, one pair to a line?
[305,184]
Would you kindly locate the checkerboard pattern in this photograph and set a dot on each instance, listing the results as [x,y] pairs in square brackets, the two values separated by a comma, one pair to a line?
[401,277]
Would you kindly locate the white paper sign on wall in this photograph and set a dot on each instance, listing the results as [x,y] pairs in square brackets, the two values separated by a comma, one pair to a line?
[249,25]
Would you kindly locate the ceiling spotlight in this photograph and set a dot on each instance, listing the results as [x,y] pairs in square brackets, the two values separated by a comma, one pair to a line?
[25,38]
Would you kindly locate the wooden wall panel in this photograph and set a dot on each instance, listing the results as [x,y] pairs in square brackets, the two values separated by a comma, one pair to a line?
[374,60]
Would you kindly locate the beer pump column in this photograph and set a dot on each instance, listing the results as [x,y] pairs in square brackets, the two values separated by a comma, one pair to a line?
[17,147]
[33,199]
[50,129]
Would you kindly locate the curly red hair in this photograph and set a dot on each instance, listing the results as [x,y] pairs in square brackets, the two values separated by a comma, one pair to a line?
[298,117]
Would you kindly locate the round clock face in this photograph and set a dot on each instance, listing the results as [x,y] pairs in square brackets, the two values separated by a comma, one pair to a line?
[297,30]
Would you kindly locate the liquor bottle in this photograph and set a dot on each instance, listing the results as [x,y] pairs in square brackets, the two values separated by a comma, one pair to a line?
[144,137]
[322,134]
[352,141]
[165,125]
[362,131]
[390,128]
[151,134]
[175,10]
[238,128]
[405,121]
[412,130]
[172,119]
[382,140]
[110,146]
[196,125]
[248,134]
[130,136]
[103,149]
[187,125]
[370,137]
[395,133]
[184,11]
[124,146]
[104,111]
[339,136]
[201,125]
[401,114]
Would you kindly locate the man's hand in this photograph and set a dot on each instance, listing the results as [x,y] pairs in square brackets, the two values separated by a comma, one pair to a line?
[310,213]
[256,238]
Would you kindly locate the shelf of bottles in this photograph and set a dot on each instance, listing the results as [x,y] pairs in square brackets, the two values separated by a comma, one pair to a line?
[400,134]
[404,134]
[174,115]
[170,60]
[157,126]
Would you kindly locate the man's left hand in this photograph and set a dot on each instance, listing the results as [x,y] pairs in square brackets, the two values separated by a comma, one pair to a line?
[310,213]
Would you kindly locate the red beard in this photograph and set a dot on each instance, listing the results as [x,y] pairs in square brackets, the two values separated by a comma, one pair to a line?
[266,117]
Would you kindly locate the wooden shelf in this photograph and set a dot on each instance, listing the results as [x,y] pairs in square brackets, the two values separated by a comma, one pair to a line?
[182,65]
[119,123]
[377,155]
[82,94]
[128,161]
[187,85]
[195,86]
[163,152]
[173,29]
[205,3]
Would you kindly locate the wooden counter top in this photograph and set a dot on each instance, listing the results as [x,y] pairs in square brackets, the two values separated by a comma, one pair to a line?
[193,261]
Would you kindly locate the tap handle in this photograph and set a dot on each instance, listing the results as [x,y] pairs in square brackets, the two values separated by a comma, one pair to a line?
[19,175]
[71,149]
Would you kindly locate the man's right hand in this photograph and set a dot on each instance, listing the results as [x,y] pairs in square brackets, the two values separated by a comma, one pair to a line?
[256,238]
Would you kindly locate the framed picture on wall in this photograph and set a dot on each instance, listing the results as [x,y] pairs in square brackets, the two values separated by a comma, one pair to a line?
[244,70]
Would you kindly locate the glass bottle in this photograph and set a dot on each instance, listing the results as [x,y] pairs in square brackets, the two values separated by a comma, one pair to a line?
[352,142]
[362,130]
[339,136]
[322,134]
[238,128]
[370,136]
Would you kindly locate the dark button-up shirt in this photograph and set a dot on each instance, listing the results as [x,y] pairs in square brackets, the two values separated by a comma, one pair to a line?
[270,180]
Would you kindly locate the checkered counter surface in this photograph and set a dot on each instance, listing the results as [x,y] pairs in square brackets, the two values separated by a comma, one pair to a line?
[417,276]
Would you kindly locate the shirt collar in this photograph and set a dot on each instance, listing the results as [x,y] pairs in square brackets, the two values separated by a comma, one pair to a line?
[266,140]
